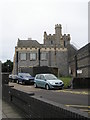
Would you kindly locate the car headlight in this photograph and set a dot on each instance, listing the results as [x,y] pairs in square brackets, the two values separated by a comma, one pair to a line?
[26,78]
[51,83]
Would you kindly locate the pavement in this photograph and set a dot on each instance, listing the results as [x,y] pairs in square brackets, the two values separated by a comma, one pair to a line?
[10,111]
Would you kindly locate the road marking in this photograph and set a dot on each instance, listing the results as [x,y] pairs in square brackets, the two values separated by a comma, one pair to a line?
[81,107]
[65,90]
[85,110]
[78,106]
[73,92]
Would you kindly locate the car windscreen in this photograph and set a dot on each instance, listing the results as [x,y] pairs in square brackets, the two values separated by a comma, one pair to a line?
[50,77]
[25,75]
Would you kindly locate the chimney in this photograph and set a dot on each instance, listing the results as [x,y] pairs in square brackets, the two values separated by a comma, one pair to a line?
[29,38]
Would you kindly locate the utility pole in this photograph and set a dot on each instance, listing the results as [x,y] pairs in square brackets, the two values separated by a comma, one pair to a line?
[55,56]
[76,66]
[17,62]
[39,55]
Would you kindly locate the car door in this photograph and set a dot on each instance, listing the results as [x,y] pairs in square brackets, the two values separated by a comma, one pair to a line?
[20,77]
[37,80]
[42,81]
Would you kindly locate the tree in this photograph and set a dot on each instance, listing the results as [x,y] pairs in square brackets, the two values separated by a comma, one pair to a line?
[7,66]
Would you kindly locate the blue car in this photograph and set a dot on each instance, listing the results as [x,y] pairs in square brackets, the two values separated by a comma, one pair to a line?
[48,81]
[25,78]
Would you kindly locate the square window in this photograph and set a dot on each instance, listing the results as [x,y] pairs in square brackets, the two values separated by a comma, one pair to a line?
[33,56]
[23,56]
[43,56]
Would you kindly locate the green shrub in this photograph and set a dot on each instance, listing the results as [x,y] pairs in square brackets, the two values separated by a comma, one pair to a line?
[66,80]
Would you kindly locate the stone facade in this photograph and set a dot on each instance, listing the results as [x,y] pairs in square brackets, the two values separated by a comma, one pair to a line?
[57,38]
[80,62]
[0,72]
[89,22]
[53,53]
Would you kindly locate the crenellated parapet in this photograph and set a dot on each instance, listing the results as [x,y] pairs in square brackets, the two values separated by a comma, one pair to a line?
[66,39]
[49,39]
[57,38]
[58,26]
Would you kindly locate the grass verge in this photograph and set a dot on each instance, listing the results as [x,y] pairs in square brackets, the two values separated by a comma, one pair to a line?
[66,80]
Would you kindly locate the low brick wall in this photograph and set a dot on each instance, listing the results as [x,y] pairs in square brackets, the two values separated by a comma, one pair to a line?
[78,83]
[35,107]
[5,78]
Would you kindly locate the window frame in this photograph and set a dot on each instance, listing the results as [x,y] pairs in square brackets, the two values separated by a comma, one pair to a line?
[23,58]
[43,57]
[31,57]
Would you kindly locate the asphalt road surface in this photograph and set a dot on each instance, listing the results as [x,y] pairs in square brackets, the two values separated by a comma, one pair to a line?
[71,98]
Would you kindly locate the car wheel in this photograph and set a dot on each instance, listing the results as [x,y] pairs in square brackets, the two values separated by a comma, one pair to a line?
[35,85]
[10,80]
[17,81]
[47,87]
[23,82]
[13,81]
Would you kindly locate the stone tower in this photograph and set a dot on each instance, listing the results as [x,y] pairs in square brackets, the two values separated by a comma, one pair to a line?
[58,33]
[57,38]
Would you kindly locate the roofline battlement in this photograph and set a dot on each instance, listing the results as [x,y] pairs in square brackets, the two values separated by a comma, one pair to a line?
[58,26]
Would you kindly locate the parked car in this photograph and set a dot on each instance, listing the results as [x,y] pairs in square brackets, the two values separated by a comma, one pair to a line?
[48,81]
[25,78]
[10,76]
[13,78]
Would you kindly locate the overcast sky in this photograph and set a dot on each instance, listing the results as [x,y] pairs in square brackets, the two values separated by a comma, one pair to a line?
[25,19]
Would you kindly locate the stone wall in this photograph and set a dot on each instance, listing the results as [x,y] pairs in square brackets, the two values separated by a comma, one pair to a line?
[82,62]
[55,47]
[57,38]
[0,72]
[0,80]
[39,108]
[89,35]
[54,58]
[0,92]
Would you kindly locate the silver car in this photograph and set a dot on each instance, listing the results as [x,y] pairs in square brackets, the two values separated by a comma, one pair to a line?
[13,78]
[48,81]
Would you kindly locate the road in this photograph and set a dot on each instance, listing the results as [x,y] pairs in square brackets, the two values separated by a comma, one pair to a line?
[69,98]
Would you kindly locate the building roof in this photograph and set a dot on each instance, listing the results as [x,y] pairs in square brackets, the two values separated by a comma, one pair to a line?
[27,43]
[36,44]
[32,44]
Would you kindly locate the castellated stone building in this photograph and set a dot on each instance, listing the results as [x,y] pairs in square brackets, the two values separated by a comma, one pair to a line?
[54,52]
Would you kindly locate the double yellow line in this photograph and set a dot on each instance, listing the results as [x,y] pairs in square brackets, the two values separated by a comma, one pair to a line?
[74,92]
[80,107]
